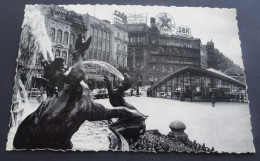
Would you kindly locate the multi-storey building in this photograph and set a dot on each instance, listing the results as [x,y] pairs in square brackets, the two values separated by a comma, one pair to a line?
[120,47]
[102,39]
[63,28]
[138,51]
[153,55]
[203,57]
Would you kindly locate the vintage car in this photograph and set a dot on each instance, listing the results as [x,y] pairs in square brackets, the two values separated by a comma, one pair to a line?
[99,93]
[34,92]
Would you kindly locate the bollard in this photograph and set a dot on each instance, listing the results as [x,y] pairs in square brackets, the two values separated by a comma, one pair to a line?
[177,131]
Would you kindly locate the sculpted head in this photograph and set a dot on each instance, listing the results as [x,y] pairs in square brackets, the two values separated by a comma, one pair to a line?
[127,83]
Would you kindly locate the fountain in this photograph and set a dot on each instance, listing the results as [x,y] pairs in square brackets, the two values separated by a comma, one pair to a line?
[69,103]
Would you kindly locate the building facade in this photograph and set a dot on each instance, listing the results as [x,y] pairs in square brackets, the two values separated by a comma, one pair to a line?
[203,57]
[63,28]
[153,55]
[120,47]
[138,51]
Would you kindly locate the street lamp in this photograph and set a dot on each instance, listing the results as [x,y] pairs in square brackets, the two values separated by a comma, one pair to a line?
[138,79]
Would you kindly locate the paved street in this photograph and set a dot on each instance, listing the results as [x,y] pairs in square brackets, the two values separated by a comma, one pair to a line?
[226,127]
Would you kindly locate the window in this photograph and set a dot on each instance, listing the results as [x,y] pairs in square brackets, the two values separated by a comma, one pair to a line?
[91,31]
[143,40]
[138,39]
[95,54]
[52,34]
[108,57]
[95,32]
[108,36]
[59,36]
[72,39]
[66,38]
[90,54]
[104,41]
[100,39]
[57,53]
[130,39]
[104,56]
[99,55]
[118,47]
[64,55]
[99,33]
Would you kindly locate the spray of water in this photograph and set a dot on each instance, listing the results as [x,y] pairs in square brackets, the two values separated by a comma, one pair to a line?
[35,42]
[22,92]
[105,66]
[33,27]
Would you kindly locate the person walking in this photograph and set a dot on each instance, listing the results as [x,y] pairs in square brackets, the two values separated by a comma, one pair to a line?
[213,100]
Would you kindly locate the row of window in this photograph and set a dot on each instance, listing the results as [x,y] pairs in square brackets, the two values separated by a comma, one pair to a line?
[101,39]
[175,59]
[137,39]
[61,37]
[63,54]
[121,48]
[120,36]
[98,55]
[121,61]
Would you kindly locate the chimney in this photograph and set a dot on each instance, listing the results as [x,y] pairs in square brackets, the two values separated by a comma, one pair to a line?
[152,22]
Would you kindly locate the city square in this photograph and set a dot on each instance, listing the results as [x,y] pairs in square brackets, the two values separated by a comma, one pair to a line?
[229,121]
[141,82]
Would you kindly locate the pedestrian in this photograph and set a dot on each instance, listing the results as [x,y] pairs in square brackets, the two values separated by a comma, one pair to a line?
[213,100]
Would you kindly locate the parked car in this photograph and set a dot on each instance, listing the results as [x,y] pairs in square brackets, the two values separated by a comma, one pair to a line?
[127,92]
[34,92]
[163,94]
[100,93]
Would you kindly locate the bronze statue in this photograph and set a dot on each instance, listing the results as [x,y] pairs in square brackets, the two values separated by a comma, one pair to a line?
[129,128]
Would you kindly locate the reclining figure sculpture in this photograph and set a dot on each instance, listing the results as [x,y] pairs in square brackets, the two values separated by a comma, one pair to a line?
[68,105]
[131,129]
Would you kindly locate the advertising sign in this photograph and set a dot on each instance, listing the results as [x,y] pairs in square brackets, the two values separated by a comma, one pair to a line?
[183,31]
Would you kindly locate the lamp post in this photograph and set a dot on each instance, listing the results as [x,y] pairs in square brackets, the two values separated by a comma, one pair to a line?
[137,79]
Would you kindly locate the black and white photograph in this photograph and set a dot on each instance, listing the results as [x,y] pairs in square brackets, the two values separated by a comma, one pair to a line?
[136,78]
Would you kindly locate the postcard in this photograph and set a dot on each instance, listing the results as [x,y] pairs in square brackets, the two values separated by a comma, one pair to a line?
[130,78]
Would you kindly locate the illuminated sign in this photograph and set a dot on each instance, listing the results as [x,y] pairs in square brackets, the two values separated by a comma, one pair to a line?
[137,19]
[120,17]
[183,31]
[165,23]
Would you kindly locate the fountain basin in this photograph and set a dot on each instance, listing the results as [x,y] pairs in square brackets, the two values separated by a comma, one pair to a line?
[97,136]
